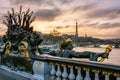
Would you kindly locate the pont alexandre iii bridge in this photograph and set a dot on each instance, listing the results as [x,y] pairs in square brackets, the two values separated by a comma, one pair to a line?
[46,67]
[22,59]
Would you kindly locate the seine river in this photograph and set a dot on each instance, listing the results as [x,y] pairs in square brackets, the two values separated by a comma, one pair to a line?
[114,56]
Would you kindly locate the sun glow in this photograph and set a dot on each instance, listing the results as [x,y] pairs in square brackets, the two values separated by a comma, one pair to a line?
[46,27]
[39,26]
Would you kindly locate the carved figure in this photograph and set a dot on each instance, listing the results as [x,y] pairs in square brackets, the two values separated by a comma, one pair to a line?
[23,48]
[8,47]
[19,29]
[18,37]
[67,52]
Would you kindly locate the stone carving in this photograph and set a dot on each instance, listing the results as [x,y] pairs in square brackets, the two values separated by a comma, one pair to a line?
[19,29]
[18,37]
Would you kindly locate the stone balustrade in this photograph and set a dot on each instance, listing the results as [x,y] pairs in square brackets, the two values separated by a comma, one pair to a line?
[69,69]
[57,68]
[61,71]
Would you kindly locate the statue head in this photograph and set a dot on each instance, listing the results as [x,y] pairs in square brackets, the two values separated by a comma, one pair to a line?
[36,39]
[23,46]
[7,47]
[108,49]
[66,44]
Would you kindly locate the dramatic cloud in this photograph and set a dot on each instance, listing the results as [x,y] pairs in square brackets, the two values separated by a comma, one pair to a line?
[47,14]
[93,24]
[65,1]
[59,27]
[41,2]
[34,4]
[27,2]
[109,25]
[102,25]
[2,29]
[97,18]
[84,7]
[111,13]
[63,27]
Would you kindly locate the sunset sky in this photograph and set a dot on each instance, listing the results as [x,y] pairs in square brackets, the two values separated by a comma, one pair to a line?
[97,18]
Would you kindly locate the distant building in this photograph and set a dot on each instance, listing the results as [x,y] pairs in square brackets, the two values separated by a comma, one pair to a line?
[85,34]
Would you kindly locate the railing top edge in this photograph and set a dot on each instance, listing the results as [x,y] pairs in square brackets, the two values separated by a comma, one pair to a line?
[77,62]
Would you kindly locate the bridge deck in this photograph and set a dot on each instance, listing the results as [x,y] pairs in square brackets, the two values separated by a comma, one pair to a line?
[6,75]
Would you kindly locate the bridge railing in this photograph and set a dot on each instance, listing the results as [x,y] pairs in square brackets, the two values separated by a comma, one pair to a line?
[70,69]
[47,67]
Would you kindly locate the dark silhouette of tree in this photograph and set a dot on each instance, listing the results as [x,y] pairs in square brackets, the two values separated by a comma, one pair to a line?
[55,32]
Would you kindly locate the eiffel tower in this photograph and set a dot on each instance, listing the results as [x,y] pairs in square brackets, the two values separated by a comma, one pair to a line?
[76,34]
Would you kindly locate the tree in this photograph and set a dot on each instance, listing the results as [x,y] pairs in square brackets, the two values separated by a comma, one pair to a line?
[55,32]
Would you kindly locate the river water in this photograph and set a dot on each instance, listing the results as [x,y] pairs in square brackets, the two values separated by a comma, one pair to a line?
[114,56]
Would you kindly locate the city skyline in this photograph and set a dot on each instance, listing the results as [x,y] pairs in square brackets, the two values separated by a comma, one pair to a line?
[97,18]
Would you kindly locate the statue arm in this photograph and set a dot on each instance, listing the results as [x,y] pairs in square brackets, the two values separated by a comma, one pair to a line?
[104,55]
[85,54]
